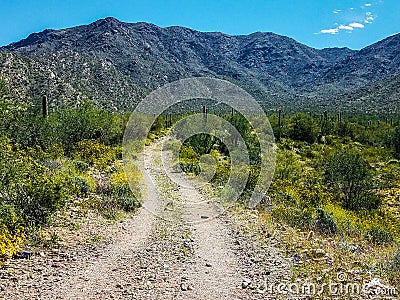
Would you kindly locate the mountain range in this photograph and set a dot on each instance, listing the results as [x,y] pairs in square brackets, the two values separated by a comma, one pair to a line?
[115,64]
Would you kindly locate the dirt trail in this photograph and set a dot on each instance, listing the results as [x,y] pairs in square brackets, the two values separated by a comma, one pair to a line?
[216,271]
[213,272]
[172,249]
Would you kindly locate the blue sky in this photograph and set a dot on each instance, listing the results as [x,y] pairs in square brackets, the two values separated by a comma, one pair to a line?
[317,23]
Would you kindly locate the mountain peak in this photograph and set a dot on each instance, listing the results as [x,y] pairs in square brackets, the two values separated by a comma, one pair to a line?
[106,22]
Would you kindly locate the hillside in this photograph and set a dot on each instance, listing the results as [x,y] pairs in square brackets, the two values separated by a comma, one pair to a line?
[116,63]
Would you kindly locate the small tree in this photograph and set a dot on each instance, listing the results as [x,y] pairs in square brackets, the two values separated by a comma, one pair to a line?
[301,127]
[350,177]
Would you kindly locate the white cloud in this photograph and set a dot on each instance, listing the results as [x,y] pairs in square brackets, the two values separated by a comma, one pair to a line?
[348,28]
[330,31]
[345,27]
[356,25]
[369,18]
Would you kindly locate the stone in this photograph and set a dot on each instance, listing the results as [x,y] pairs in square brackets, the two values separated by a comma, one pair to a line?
[318,253]
[245,283]
[25,254]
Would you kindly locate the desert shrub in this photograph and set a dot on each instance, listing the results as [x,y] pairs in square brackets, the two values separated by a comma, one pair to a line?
[81,186]
[303,218]
[286,197]
[306,194]
[301,127]
[221,173]
[288,166]
[11,231]
[122,193]
[9,216]
[189,160]
[378,235]
[295,217]
[190,167]
[350,177]
[94,153]
[39,197]
[311,193]
[201,143]
[325,222]
[32,189]
[86,122]
[345,129]
[9,242]
[254,177]
[30,129]
[357,223]
[128,202]
[81,166]
[187,153]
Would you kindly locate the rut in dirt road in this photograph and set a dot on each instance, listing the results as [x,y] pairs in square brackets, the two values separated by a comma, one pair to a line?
[216,271]
[212,271]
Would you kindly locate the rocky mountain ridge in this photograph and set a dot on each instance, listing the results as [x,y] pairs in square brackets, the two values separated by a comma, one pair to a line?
[115,64]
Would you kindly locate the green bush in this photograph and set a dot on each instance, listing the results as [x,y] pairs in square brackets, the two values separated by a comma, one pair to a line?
[301,127]
[325,222]
[121,192]
[350,177]
[190,167]
[300,218]
[81,186]
[40,198]
[31,188]
[189,160]
[128,203]
[378,236]
[288,166]
[8,213]
[81,166]
[94,153]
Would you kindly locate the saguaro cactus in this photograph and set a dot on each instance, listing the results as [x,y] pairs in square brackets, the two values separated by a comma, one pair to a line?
[340,116]
[325,115]
[279,123]
[45,107]
[205,113]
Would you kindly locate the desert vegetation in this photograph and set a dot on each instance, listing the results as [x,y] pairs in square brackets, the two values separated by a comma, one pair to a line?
[48,163]
[335,190]
[336,186]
